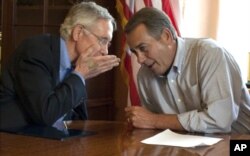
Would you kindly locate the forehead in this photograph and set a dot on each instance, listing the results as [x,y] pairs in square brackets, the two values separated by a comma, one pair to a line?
[137,36]
[103,27]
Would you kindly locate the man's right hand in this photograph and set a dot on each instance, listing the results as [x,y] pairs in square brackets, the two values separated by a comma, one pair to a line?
[89,65]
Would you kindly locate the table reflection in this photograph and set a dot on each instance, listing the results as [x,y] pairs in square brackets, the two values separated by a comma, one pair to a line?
[110,139]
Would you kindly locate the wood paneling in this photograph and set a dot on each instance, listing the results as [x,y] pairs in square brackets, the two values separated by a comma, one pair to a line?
[21,20]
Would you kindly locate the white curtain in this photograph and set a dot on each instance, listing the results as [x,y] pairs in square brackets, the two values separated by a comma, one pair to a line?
[227,21]
[234,30]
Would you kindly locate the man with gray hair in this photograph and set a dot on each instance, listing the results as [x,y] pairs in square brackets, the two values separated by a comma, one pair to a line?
[44,81]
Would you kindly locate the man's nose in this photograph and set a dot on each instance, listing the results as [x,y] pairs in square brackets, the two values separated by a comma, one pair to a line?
[104,50]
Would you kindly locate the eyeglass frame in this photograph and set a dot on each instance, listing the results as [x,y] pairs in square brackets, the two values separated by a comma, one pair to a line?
[102,41]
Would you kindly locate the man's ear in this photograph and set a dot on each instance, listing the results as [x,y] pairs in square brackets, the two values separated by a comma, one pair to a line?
[166,35]
[76,32]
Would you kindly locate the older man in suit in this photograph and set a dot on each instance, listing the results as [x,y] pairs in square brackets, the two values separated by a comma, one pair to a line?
[44,81]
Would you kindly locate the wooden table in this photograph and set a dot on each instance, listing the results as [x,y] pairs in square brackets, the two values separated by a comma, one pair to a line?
[112,139]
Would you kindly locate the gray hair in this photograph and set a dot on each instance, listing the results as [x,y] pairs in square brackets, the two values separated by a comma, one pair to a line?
[153,19]
[85,13]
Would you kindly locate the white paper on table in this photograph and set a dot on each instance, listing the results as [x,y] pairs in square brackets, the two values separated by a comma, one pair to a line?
[170,138]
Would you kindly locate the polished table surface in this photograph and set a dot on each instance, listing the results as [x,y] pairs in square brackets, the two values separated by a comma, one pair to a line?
[111,139]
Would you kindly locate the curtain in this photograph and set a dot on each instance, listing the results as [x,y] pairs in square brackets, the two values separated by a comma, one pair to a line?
[226,21]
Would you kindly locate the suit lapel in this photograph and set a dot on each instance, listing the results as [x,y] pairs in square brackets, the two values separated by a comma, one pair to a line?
[55,47]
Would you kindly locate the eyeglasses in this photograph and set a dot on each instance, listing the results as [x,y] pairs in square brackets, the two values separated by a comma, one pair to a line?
[101,40]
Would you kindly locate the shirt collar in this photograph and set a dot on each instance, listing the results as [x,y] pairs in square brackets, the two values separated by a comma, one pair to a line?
[64,56]
[180,55]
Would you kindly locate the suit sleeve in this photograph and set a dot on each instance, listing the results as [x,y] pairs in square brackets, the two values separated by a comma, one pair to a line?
[43,99]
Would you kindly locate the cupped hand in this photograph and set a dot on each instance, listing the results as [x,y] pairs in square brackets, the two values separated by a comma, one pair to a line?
[90,65]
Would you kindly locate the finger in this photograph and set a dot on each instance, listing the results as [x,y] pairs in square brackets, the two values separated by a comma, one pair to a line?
[102,64]
[128,120]
[97,66]
[103,61]
[130,126]
[108,64]
[94,72]
[108,58]
[98,69]
[128,108]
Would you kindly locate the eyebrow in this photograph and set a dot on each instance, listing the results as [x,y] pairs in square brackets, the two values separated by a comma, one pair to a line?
[136,47]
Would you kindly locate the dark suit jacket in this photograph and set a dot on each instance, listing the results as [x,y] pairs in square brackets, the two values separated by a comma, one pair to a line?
[30,91]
